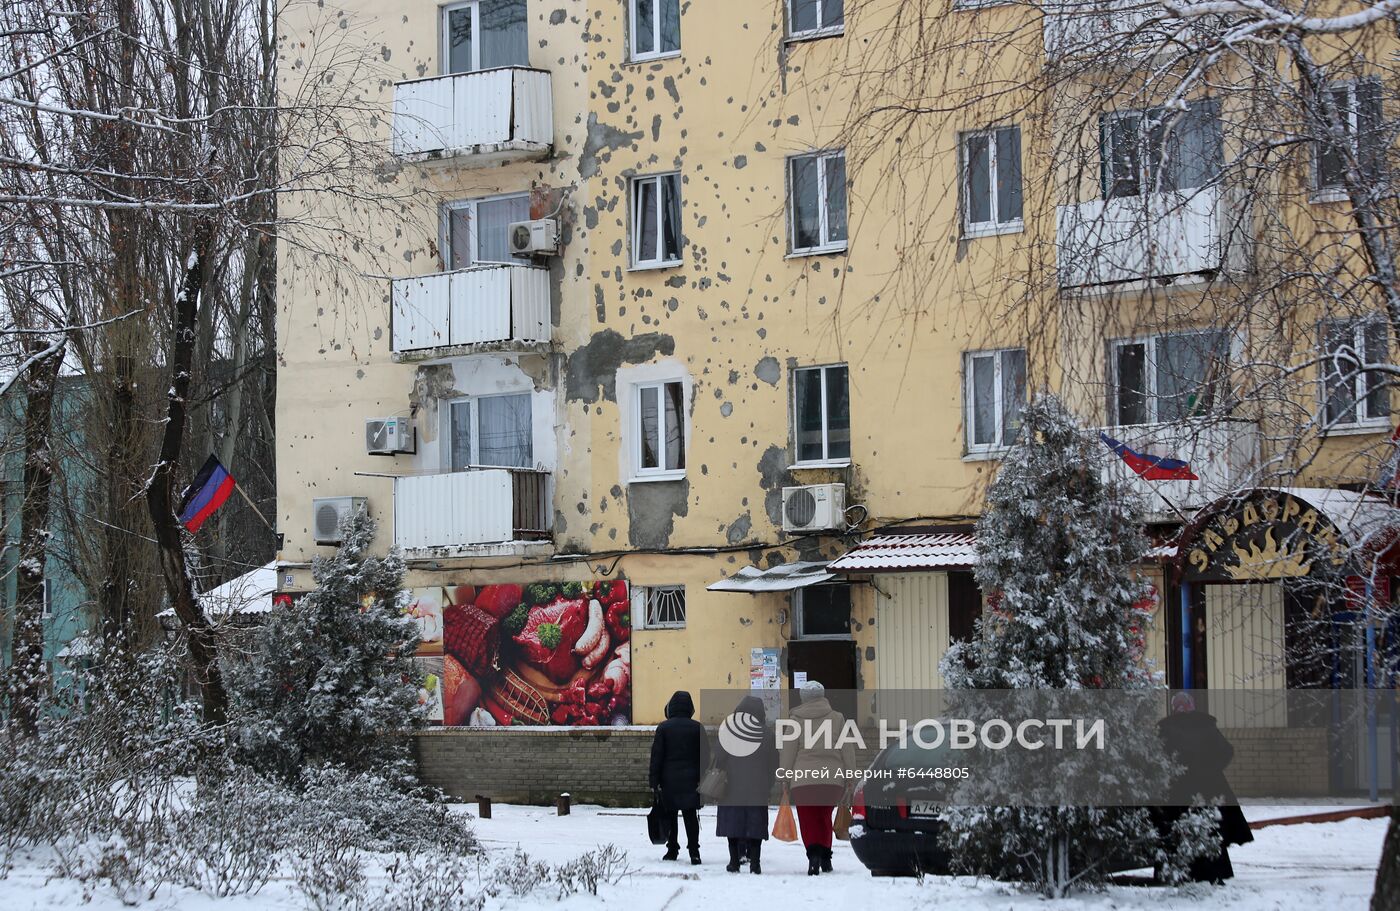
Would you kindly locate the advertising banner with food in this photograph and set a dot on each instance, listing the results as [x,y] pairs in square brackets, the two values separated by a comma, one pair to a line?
[544,653]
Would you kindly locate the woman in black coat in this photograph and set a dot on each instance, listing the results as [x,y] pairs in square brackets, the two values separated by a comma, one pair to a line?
[1194,741]
[742,816]
[679,752]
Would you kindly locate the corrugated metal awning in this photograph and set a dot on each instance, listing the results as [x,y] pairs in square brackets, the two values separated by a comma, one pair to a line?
[753,581]
[895,553]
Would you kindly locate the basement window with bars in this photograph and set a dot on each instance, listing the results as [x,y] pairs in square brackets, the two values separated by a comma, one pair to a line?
[1353,395]
[658,606]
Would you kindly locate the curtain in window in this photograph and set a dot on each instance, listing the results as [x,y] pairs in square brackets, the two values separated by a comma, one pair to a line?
[670,25]
[1191,155]
[979,179]
[1008,175]
[671,217]
[838,414]
[644,220]
[804,15]
[835,198]
[493,216]
[460,439]
[643,27]
[809,415]
[833,13]
[1189,369]
[806,216]
[503,39]
[459,244]
[1013,394]
[984,399]
[504,431]
[459,40]
[675,425]
[648,409]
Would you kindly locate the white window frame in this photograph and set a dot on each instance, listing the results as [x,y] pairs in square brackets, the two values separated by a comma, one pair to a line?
[821,31]
[444,49]
[446,435]
[825,245]
[993,227]
[798,622]
[659,473]
[634,229]
[825,461]
[1321,194]
[1149,367]
[445,232]
[970,404]
[638,56]
[642,596]
[1358,345]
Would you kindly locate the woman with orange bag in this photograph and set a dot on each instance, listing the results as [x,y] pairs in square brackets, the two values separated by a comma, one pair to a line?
[818,772]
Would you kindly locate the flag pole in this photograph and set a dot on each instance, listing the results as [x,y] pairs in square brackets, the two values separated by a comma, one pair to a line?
[253,506]
[1163,497]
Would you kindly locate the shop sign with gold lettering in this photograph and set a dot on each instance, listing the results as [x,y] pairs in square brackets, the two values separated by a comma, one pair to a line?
[1265,535]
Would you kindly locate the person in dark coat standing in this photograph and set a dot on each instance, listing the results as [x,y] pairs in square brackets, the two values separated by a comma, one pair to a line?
[679,752]
[1193,741]
[742,815]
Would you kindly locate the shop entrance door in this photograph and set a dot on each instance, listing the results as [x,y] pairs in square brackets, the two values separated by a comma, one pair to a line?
[822,648]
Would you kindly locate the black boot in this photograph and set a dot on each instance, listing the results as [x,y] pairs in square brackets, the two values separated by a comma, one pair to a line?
[733,865]
[824,856]
[694,856]
[755,849]
[672,852]
[813,864]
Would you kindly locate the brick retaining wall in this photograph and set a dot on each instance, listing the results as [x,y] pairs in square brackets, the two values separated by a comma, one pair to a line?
[1273,761]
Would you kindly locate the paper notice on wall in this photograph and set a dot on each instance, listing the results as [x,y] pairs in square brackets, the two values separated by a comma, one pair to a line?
[799,678]
[763,668]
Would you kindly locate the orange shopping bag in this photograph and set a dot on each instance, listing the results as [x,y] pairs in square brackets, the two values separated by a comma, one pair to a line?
[785,826]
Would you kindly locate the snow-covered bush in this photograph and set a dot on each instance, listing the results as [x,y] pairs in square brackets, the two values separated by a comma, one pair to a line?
[1057,549]
[332,680]
[381,814]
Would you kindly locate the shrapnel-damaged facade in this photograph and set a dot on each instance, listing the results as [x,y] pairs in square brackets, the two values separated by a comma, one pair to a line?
[631,384]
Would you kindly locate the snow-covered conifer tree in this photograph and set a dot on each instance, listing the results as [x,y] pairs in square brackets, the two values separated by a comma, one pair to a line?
[331,681]
[1056,550]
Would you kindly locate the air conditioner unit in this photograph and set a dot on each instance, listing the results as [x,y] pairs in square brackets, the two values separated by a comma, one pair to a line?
[387,436]
[326,513]
[539,237]
[815,507]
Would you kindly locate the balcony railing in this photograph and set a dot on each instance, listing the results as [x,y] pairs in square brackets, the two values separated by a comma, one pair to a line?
[1224,454]
[1153,236]
[478,506]
[483,117]
[1100,28]
[498,303]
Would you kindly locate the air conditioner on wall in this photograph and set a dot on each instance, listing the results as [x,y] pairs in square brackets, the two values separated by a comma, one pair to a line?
[326,513]
[815,507]
[539,237]
[388,436]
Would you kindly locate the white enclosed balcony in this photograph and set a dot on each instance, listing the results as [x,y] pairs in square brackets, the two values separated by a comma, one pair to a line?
[477,119]
[442,512]
[1104,29]
[1223,454]
[483,305]
[1153,236]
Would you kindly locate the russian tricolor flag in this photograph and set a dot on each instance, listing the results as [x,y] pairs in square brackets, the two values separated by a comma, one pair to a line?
[1150,467]
[206,493]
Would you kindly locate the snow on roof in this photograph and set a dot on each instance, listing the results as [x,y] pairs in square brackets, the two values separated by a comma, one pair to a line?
[783,578]
[250,593]
[909,552]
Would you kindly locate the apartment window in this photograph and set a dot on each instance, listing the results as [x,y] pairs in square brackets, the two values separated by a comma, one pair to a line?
[658,606]
[1157,150]
[656,221]
[995,384]
[491,430]
[823,611]
[1167,378]
[817,202]
[1359,106]
[660,416]
[656,28]
[482,34]
[992,181]
[822,414]
[1352,394]
[814,18]
[475,230]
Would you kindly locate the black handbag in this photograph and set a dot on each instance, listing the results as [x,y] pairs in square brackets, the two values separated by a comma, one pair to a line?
[656,820]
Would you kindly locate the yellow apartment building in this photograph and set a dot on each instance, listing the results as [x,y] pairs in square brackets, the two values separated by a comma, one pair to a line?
[659,380]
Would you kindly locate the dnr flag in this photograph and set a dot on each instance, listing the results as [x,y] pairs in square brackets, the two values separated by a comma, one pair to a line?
[206,493]
[1150,467]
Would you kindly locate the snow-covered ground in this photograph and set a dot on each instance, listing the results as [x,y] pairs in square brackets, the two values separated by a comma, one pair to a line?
[1319,867]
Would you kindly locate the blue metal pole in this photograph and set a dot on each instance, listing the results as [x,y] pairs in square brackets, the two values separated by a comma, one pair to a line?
[1186,678]
[1372,740]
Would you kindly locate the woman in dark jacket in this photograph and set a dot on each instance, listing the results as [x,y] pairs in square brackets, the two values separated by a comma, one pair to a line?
[1193,741]
[678,754]
[742,816]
